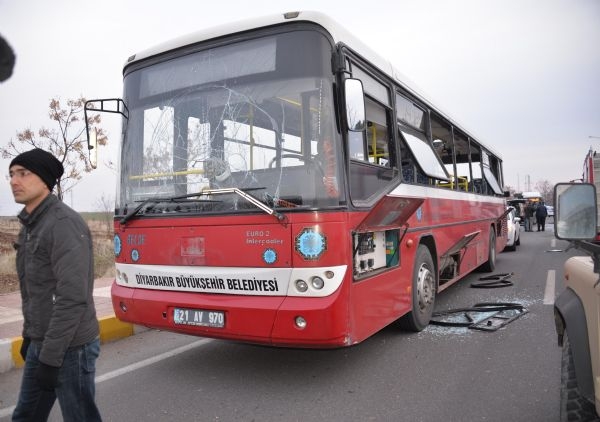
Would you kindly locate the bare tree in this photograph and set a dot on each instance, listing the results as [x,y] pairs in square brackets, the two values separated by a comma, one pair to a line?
[68,142]
[544,187]
[107,206]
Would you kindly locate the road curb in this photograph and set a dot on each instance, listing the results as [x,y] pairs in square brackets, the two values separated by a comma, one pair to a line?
[111,329]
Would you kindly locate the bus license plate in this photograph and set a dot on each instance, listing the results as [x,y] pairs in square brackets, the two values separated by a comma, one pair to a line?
[199,317]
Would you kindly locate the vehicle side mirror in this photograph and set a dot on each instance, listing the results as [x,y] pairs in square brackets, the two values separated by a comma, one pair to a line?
[109,105]
[575,211]
[355,105]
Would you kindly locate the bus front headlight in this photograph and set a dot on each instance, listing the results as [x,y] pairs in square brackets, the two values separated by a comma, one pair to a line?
[301,286]
[317,282]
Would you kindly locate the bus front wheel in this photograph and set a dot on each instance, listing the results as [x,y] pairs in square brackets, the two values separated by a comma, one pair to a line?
[424,288]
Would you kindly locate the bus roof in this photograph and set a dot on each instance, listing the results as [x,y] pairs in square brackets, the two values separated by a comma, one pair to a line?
[337,32]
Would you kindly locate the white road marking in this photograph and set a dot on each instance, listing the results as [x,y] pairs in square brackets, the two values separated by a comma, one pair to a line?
[150,361]
[7,411]
[550,288]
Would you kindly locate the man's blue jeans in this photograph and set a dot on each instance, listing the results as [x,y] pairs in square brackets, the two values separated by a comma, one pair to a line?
[76,386]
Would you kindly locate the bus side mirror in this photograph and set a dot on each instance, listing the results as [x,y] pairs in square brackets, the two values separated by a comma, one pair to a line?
[108,105]
[93,147]
[575,211]
[355,105]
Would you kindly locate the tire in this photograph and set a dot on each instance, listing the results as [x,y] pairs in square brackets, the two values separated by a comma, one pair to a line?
[490,265]
[512,247]
[424,288]
[573,406]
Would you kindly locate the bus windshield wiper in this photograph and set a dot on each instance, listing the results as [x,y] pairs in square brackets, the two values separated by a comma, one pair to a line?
[141,205]
[155,201]
[253,200]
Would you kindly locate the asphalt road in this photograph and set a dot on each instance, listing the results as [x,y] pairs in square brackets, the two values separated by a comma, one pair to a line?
[440,374]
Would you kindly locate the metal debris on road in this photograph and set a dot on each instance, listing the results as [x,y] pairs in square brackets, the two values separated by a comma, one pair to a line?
[485,316]
[494,281]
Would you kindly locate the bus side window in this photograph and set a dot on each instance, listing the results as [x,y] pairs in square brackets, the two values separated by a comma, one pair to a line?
[441,139]
[478,186]
[378,136]
[378,144]
[356,146]
[411,172]
[496,169]
[407,162]
[463,166]
[408,171]
[373,154]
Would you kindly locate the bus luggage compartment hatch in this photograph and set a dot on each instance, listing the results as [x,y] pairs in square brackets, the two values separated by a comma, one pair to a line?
[450,260]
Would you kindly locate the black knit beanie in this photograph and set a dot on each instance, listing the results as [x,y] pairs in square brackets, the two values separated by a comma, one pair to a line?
[42,163]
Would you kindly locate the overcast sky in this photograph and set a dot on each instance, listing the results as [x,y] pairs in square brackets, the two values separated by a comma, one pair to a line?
[522,75]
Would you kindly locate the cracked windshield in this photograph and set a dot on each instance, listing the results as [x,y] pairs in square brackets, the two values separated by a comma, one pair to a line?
[256,115]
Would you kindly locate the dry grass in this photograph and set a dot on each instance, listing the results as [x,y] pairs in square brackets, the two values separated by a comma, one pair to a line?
[103,250]
[9,228]
[7,263]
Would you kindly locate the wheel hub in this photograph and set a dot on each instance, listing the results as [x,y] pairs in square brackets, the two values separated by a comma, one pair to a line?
[425,287]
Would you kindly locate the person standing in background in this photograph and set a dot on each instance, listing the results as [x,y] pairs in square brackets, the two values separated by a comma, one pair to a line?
[540,214]
[528,217]
[55,265]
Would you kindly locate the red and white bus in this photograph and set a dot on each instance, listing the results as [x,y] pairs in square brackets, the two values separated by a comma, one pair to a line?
[280,183]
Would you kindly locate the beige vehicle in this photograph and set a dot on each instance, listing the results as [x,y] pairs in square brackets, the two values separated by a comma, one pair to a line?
[577,309]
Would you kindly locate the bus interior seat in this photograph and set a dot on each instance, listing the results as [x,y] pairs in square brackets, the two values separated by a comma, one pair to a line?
[408,174]
[477,185]
[422,178]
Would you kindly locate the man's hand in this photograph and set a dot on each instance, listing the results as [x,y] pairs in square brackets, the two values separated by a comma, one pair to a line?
[47,376]
[24,347]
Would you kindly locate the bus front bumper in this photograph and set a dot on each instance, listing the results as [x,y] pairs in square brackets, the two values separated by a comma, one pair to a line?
[275,321]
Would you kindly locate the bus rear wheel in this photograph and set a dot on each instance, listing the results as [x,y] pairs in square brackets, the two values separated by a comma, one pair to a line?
[424,288]
[490,265]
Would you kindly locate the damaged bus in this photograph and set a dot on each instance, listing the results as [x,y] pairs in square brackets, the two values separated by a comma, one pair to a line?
[280,183]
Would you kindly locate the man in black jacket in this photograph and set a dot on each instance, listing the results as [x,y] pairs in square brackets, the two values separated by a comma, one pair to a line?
[55,264]
[540,214]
